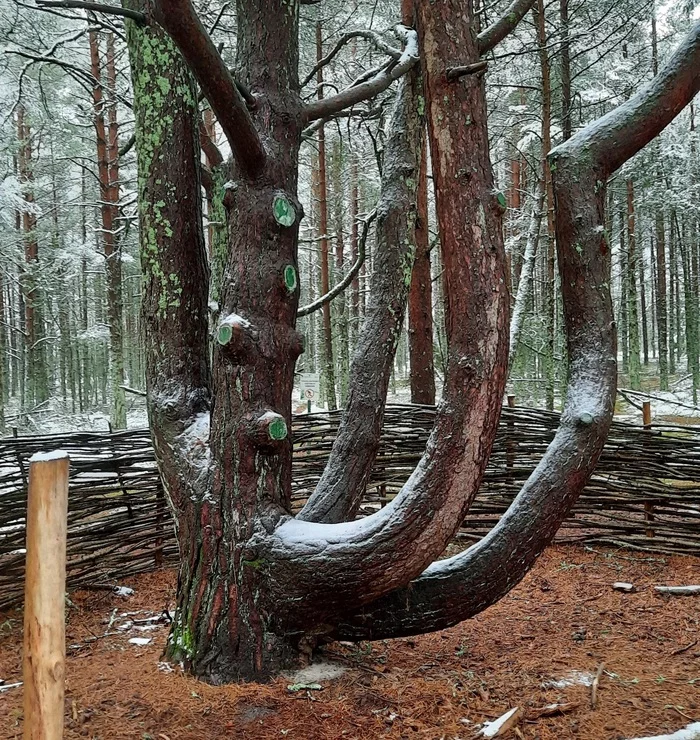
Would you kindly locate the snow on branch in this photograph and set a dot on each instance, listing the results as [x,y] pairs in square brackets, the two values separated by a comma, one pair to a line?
[365,90]
[372,36]
[620,134]
[134,15]
[497,31]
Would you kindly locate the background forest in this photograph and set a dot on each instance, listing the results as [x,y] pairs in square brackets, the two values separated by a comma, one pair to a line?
[70,284]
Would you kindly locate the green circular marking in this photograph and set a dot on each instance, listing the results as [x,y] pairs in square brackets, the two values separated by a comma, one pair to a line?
[224,334]
[283,211]
[277,429]
[501,200]
[290,278]
[586,418]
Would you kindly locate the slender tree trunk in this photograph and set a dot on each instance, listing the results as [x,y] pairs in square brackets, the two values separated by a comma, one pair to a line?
[35,355]
[355,285]
[340,302]
[106,129]
[634,367]
[565,53]
[328,360]
[661,301]
[4,365]
[526,275]
[420,301]
[624,301]
[550,285]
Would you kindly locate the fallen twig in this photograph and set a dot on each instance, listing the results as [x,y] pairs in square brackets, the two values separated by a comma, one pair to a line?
[594,686]
[683,649]
[678,590]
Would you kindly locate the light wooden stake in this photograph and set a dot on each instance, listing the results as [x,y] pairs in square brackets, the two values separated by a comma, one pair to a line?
[44,601]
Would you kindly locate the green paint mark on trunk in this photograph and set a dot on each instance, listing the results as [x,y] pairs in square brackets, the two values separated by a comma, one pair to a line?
[224,334]
[277,429]
[283,211]
[290,278]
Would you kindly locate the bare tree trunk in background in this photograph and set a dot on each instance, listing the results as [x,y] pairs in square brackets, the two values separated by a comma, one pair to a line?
[106,129]
[340,302]
[4,354]
[35,354]
[624,300]
[328,365]
[550,284]
[635,367]
[565,72]
[420,301]
[354,234]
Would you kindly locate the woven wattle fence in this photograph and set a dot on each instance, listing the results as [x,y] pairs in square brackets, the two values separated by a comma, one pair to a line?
[644,494]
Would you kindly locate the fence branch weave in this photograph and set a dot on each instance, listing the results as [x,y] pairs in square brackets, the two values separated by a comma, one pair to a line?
[645,492]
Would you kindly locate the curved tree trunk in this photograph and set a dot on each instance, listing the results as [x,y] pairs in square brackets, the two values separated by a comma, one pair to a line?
[457,588]
[344,479]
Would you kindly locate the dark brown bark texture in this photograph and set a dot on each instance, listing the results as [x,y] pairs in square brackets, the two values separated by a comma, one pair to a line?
[176,277]
[258,587]
[322,569]
[420,302]
[457,588]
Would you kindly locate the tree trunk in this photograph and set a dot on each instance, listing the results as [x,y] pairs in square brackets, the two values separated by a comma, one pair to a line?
[106,130]
[36,372]
[635,367]
[328,364]
[420,301]
[661,302]
[550,285]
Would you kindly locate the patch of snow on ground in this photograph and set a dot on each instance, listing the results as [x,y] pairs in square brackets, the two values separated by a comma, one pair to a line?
[691,732]
[140,640]
[573,678]
[317,672]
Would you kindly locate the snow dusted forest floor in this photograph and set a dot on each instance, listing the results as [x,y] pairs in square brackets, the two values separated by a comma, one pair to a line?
[538,649]
[674,405]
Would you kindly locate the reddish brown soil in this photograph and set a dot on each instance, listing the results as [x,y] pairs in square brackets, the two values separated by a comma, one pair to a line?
[564,617]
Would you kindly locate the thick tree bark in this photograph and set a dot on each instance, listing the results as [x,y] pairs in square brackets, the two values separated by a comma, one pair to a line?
[420,301]
[454,589]
[175,316]
[328,567]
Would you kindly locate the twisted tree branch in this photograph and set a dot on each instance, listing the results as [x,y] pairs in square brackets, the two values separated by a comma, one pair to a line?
[505,25]
[453,590]
[365,90]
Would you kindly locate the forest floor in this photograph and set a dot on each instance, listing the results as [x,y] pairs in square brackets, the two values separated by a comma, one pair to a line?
[540,646]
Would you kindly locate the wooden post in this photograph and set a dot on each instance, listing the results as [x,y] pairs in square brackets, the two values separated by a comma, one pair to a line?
[44,600]
[648,505]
